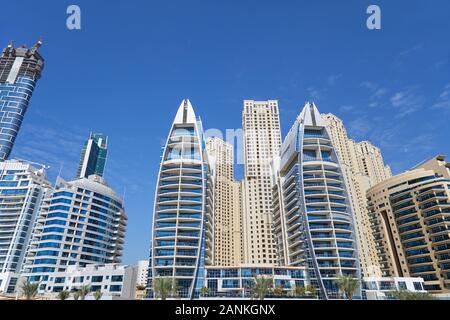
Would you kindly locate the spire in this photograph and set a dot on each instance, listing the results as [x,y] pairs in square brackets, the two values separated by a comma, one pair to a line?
[185,113]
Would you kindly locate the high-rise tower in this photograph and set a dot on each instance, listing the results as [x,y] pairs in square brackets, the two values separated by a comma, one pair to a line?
[20,69]
[93,156]
[262,141]
[363,167]
[80,222]
[227,204]
[182,237]
[313,219]
[22,188]
[410,216]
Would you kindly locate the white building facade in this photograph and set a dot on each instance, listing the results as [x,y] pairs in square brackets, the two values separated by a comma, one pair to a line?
[22,187]
[80,222]
[114,281]
[262,142]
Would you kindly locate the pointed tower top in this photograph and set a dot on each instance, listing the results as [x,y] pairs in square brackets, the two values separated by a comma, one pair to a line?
[311,116]
[185,113]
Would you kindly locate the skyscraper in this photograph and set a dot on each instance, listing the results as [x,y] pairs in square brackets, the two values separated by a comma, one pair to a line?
[227,204]
[93,156]
[410,216]
[22,187]
[313,219]
[182,237]
[80,222]
[262,141]
[20,69]
[363,166]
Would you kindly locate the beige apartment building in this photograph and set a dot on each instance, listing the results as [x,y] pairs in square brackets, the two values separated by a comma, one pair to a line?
[410,215]
[227,204]
[363,167]
[262,142]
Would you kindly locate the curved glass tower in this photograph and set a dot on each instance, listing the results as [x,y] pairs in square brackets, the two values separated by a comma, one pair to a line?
[313,221]
[20,69]
[182,219]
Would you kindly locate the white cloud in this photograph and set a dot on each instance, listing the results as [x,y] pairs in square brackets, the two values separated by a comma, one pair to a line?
[407,101]
[443,102]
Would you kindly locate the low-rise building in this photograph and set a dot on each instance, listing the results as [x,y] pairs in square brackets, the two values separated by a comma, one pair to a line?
[378,288]
[237,282]
[114,281]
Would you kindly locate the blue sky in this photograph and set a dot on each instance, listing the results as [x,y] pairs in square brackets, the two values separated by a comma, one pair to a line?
[125,73]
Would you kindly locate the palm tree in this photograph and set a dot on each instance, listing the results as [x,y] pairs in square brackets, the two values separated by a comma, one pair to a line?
[76,295]
[204,291]
[310,290]
[98,295]
[63,295]
[348,285]
[298,291]
[164,287]
[408,295]
[29,290]
[278,291]
[262,286]
[84,291]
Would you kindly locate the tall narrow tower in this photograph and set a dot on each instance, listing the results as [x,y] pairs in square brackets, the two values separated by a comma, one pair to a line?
[262,141]
[227,204]
[314,223]
[20,69]
[93,156]
[363,167]
[182,242]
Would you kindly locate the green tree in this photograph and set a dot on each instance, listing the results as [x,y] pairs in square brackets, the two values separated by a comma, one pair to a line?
[98,295]
[76,295]
[348,285]
[163,287]
[64,295]
[84,291]
[29,290]
[262,286]
[409,295]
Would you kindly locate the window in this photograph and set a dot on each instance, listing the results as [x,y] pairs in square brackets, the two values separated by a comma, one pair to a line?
[402,285]
[115,288]
[117,278]
[418,286]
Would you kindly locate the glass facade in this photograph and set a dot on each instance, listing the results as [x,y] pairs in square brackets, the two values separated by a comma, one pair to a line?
[313,219]
[20,69]
[81,222]
[182,218]
[93,156]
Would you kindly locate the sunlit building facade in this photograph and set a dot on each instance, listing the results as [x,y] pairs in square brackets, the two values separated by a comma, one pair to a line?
[262,141]
[363,167]
[410,216]
[80,222]
[182,238]
[93,156]
[20,69]
[313,220]
[227,204]
[22,188]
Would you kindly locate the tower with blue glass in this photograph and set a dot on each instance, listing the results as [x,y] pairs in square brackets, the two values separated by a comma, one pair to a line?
[20,69]
[182,238]
[313,220]
[93,156]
